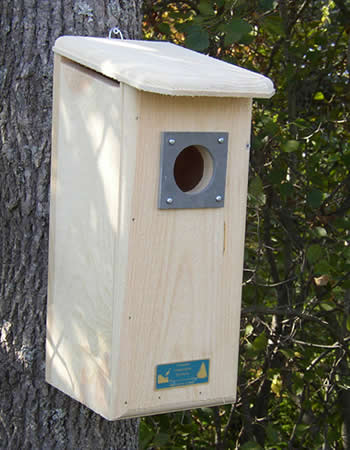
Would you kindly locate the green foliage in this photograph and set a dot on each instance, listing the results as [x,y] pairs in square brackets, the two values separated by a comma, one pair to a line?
[251,445]
[294,355]
[196,38]
[290,146]
[256,191]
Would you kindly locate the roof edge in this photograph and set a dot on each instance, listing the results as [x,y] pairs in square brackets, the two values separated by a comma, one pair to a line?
[265,88]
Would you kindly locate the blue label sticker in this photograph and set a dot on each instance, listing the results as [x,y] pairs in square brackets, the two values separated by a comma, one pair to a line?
[182,373]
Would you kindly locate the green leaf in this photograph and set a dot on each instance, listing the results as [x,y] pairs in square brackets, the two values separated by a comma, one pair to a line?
[298,383]
[185,27]
[272,433]
[274,25]
[260,342]
[235,30]
[164,28]
[322,267]
[206,8]
[346,159]
[348,323]
[161,439]
[314,198]
[314,253]
[146,435]
[319,96]
[346,253]
[251,445]
[270,126]
[266,5]
[277,175]
[197,38]
[301,428]
[164,422]
[208,411]
[249,329]
[327,306]
[321,232]
[189,427]
[288,353]
[286,190]
[256,190]
[290,146]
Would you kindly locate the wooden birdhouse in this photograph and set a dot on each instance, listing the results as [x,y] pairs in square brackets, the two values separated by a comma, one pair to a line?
[148,206]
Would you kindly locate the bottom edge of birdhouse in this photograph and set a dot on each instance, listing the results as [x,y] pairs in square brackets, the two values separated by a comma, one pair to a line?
[170,408]
[129,413]
[103,411]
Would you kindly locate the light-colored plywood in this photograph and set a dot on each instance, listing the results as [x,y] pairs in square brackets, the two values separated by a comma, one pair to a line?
[132,286]
[182,298]
[84,222]
[129,140]
[163,68]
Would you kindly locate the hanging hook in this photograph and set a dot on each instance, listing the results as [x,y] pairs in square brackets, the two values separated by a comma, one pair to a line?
[115,31]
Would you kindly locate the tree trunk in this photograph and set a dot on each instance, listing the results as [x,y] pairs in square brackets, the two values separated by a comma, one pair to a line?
[33,414]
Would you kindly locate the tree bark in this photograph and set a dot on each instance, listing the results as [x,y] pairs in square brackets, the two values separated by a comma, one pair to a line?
[33,414]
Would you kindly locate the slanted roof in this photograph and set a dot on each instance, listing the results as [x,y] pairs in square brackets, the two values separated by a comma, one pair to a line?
[163,68]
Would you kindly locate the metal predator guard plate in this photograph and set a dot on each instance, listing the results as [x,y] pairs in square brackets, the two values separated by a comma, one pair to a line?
[212,195]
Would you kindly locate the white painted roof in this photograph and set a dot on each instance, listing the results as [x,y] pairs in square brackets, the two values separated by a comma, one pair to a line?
[163,68]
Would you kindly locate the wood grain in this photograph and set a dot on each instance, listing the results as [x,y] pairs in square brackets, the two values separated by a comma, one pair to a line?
[164,68]
[133,286]
[84,222]
[183,292]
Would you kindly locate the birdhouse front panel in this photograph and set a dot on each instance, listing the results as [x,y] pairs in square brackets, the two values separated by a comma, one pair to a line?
[183,287]
[148,200]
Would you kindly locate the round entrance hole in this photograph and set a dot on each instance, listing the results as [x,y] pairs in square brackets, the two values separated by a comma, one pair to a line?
[193,169]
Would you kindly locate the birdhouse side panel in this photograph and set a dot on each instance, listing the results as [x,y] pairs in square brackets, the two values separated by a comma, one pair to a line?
[84,228]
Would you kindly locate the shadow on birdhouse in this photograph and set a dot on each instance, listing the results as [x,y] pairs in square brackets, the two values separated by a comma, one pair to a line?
[147,223]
